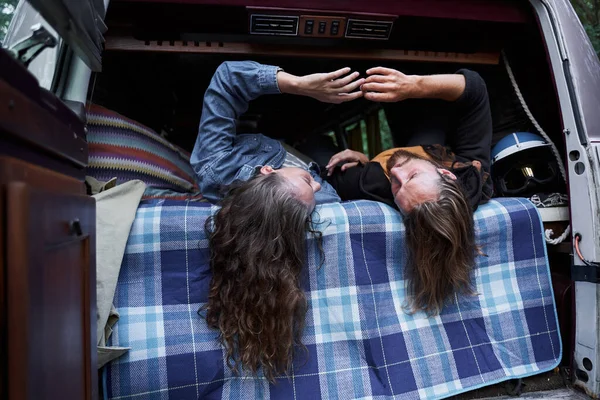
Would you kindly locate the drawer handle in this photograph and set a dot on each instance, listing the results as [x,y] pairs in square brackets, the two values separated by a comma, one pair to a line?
[75,226]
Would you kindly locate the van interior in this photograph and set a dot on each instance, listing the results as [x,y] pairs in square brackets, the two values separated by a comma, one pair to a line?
[158,63]
[159,57]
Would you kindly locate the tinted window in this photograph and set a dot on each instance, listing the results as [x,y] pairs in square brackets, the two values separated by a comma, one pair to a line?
[7,10]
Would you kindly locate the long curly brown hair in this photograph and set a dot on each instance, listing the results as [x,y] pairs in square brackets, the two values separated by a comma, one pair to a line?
[258,248]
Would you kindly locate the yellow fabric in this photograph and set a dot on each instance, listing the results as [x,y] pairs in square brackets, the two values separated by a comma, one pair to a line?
[382,158]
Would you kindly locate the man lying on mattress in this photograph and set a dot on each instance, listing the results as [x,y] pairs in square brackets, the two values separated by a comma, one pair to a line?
[435,187]
[267,195]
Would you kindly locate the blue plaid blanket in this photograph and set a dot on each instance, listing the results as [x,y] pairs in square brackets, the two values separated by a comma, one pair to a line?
[361,344]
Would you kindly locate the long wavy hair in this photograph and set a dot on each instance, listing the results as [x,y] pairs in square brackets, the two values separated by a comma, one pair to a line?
[441,249]
[257,250]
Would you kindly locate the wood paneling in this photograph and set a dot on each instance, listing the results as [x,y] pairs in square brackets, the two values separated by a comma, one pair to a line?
[131,44]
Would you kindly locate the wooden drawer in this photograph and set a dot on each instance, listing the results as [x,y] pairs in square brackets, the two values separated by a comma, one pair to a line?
[15,170]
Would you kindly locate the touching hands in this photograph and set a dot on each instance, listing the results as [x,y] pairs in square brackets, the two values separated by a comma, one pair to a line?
[350,158]
[382,84]
[333,87]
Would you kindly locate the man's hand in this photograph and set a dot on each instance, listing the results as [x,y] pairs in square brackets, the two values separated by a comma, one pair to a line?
[388,85]
[350,158]
[332,87]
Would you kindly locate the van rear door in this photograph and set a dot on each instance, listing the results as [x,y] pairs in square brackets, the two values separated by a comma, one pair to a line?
[79,23]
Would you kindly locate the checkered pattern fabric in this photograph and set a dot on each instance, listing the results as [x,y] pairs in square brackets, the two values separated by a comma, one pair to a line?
[361,343]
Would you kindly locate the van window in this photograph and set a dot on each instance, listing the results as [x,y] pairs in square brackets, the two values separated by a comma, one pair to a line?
[369,141]
[387,142]
[356,135]
[589,14]
[333,137]
[17,18]
[7,11]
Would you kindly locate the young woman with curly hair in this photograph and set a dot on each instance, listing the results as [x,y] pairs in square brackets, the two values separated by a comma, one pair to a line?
[258,237]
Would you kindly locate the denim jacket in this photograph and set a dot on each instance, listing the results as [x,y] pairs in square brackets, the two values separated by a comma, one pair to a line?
[221,157]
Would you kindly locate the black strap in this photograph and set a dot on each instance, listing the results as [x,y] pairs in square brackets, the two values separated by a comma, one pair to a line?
[586,273]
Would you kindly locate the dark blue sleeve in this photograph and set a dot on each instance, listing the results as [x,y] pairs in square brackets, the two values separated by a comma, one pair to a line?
[473,137]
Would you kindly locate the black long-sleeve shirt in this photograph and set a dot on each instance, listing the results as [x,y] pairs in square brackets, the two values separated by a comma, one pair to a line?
[464,126]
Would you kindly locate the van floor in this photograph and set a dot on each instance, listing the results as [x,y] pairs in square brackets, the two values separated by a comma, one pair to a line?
[547,381]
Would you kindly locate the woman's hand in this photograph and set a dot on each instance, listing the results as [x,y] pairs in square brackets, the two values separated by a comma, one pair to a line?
[388,85]
[350,158]
[332,87]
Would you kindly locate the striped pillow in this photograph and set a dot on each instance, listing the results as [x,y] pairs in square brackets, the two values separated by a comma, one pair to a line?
[123,148]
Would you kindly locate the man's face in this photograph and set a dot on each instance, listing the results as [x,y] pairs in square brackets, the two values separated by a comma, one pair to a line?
[303,184]
[414,180]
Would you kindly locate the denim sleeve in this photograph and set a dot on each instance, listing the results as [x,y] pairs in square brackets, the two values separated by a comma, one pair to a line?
[232,87]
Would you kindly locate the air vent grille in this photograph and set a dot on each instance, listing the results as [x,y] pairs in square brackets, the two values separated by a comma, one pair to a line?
[363,29]
[273,25]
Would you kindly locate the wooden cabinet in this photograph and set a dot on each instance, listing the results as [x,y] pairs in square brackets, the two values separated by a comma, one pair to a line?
[49,280]
[47,246]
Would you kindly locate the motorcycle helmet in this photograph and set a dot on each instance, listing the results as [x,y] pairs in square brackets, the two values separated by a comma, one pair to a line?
[523,164]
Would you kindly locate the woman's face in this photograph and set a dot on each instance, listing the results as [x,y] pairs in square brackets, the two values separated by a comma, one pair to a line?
[302,182]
